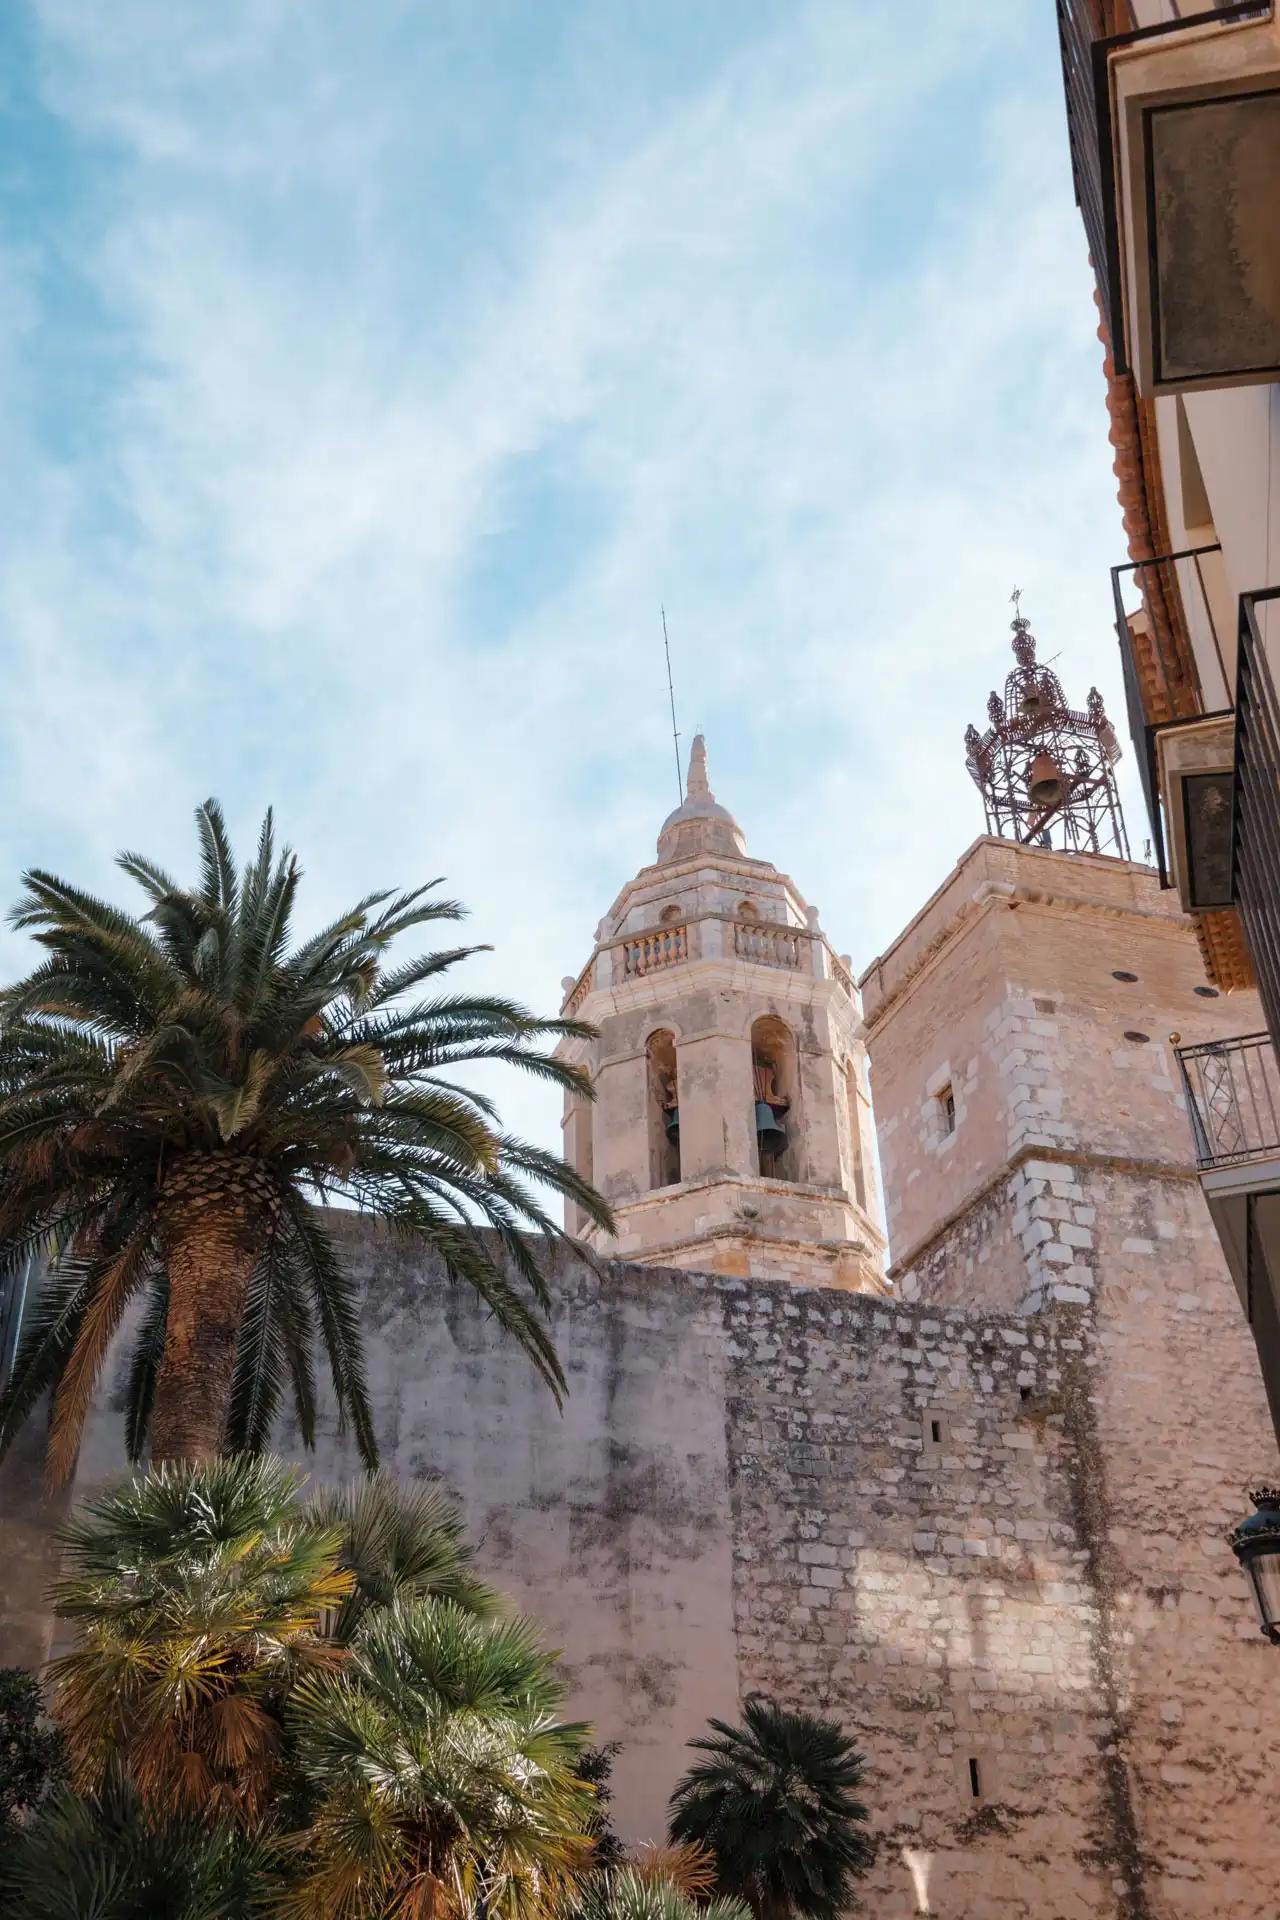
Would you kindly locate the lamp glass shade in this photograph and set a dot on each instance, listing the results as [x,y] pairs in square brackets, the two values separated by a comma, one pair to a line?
[1263,1570]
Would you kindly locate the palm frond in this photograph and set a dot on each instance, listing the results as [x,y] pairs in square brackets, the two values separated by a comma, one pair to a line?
[333,1295]
[53,1321]
[144,1367]
[114,1277]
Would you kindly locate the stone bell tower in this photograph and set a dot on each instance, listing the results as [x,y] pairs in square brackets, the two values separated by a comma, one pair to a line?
[731,1128]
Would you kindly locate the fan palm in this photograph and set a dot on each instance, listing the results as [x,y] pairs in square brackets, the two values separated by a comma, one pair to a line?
[197,1595]
[640,1891]
[104,1860]
[399,1541]
[176,1088]
[775,1803]
[440,1780]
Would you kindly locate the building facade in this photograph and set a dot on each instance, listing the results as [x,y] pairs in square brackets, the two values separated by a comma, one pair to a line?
[1173,115]
[975,1509]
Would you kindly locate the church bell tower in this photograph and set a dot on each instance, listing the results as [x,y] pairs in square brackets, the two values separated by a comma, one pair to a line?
[731,1129]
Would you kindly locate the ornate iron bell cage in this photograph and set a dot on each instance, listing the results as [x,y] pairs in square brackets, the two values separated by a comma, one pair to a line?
[1044,769]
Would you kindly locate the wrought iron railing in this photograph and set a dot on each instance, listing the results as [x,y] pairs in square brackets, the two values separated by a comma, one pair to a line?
[1255,852]
[1087,46]
[1233,1099]
[1179,610]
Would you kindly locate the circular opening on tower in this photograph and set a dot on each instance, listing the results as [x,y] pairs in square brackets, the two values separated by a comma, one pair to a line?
[1136,1038]
[1206,993]
[1118,973]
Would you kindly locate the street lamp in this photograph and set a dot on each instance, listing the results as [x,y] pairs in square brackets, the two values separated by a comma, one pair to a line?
[1256,1545]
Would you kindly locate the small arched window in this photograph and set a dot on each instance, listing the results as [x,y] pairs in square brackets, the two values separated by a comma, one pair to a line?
[748,910]
[663,1108]
[669,915]
[776,1087]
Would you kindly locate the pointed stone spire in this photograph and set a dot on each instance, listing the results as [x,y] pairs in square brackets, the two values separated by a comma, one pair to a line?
[697,783]
[699,825]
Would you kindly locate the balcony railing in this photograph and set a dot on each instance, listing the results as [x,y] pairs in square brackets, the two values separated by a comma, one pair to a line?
[1255,851]
[1177,612]
[649,952]
[1087,46]
[770,944]
[1233,1099]
[708,936]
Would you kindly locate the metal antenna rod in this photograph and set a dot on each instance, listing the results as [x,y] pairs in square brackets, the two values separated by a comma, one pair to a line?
[671,694]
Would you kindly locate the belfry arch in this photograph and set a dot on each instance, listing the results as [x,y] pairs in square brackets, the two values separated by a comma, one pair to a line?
[775,1086]
[662,1106]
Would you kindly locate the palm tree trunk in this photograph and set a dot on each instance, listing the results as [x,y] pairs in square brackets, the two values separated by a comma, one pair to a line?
[215,1219]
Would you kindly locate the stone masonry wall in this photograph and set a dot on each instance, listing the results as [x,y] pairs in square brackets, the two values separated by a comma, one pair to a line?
[1067,1189]
[862,1507]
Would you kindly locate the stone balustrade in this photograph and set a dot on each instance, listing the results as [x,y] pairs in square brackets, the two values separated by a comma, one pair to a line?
[580,989]
[770,944]
[648,952]
[763,943]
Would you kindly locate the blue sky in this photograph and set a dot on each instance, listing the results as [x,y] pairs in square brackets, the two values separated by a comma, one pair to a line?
[370,376]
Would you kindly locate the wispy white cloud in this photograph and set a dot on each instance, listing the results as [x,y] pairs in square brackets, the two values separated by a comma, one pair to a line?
[439,356]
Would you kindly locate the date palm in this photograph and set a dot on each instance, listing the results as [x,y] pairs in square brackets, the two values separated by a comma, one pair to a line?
[439,1780]
[775,1803]
[178,1088]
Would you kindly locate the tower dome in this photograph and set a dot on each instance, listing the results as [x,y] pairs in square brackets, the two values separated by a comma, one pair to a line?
[699,824]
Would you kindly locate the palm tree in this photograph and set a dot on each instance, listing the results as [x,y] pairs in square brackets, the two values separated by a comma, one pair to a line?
[440,1780]
[639,1891]
[175,1091]
[103,1859]
[198,1596]
[399,1542]
[775,1803]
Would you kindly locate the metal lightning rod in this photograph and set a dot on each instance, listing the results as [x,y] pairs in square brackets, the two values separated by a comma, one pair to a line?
[671,694]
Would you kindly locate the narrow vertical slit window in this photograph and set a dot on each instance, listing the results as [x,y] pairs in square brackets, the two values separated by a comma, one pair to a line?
[947,1110]
[975,1779]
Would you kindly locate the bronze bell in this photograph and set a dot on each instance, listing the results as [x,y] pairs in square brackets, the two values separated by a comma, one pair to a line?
[672,1119]
[770,1132]
[1032,703]
[1044,782]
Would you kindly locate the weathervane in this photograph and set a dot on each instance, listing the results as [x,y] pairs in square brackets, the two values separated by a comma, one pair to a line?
[1044,770]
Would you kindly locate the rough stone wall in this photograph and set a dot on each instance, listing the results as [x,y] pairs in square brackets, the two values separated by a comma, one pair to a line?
[927,1590]
[1067,1189]
[859,1507]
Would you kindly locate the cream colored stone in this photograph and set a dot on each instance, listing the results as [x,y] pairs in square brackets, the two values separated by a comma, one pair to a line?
[701,946]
